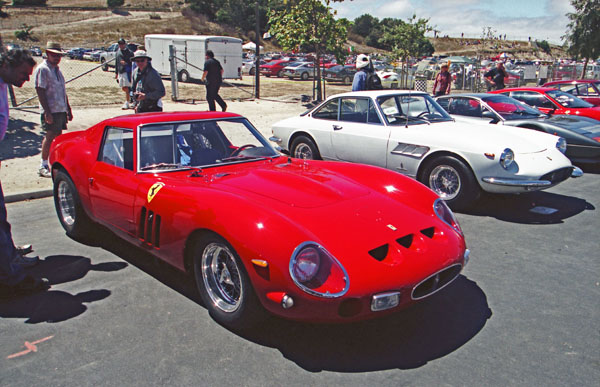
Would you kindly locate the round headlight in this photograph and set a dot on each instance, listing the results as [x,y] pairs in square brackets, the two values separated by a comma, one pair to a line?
[446,215]
[507,158]
[307,264]
[561,145]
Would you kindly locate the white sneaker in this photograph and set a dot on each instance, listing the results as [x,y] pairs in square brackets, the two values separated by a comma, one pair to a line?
[125,106]
[24,261]
[44,172]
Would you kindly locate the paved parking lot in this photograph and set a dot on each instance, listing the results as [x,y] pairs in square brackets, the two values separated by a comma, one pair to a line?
[524,312]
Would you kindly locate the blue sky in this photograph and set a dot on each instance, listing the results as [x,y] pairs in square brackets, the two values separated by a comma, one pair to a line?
[518,19]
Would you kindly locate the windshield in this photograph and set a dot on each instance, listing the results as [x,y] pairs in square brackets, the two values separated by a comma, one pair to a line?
[568,100]
[510,108]
[202,143]
[407,109]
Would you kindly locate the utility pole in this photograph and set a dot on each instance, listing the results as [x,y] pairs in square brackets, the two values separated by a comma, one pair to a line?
[257,55]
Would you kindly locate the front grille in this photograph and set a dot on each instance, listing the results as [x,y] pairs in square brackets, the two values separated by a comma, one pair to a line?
[559,175]
[436,282]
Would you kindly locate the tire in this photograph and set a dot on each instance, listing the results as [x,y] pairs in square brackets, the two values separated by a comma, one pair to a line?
[68,206]
[280,74]
[183,76]
[394,85]
[304,76]
[251,72]
[304,148]
[346,80]
[452,180]
[224,285]
[104,64]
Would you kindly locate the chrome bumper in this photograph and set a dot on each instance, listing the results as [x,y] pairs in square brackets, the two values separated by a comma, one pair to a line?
[531,184]
[275,139]
[577,172]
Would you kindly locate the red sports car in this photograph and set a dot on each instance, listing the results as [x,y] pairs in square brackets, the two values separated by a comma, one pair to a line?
[552,101]
[307,240]
[586,89]
[274,68]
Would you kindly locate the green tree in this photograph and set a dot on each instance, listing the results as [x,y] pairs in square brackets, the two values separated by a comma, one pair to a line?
[28,3]
[364,24]
[407,39]
[582,31]
[310,24]
[114,3]
[25,33]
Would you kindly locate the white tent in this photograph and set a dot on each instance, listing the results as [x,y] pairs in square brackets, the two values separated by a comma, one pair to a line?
[250,46]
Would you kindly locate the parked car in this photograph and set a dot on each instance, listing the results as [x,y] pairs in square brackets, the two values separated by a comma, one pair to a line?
[389,78]
[581,133]
[552,101]
[302,70]
[274,68]
[410,133]
[77,53]
[93,55]
[206,193]
[340,73]
[586,89]
[108,57]
[249,66]
[35,51]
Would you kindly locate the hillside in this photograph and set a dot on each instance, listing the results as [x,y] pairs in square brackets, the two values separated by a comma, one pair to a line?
[101,27]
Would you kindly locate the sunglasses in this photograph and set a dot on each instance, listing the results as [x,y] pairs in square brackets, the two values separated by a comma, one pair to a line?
[140,60]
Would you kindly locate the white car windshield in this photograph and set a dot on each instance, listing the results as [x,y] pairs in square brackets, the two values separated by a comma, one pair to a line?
[411,109]
[167,146]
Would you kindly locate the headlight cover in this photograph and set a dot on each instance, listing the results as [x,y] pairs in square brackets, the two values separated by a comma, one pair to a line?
[314,270]
[446,215]
[561,145]
[507,158]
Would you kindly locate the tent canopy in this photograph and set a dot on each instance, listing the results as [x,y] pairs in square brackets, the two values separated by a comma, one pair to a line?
[250,46]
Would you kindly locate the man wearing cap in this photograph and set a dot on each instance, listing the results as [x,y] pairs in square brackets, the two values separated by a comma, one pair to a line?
[148,87]
[54,104]
[123,69]
[16,67]
[360,78]
[443,81]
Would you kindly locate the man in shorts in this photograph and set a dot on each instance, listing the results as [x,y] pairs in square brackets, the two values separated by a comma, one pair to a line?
[123,69]
[54,104]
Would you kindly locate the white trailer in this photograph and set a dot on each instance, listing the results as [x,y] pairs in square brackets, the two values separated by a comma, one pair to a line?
[191,52]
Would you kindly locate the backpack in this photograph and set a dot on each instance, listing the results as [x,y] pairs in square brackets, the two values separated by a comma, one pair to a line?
[373,81]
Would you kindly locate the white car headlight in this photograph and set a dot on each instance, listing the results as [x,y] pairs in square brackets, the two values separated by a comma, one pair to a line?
[507,158]
[314,270]
[561,145]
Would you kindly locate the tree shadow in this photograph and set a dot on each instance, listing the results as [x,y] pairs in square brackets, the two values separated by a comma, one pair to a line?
[20,141]
[55,305]
[539,207]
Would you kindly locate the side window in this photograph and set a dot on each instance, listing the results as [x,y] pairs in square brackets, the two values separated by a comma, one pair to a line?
[465,107]
[373,117]
[329,111]
[533,99]
[354,110]
[117,149]
[445,103]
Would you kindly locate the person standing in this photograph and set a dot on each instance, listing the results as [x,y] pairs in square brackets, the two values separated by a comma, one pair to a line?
[443,82]
[123,69]
[495,77]
[54,104]
[213,76]
[16,67]
[148,88]
[359,82]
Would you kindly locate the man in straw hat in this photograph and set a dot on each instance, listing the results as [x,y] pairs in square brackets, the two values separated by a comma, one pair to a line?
[54,104]
[147,88]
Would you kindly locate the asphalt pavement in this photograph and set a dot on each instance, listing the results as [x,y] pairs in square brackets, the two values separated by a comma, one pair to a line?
[524,312]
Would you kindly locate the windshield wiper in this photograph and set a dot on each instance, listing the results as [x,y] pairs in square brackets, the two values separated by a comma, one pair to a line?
[162,166]
[244,157]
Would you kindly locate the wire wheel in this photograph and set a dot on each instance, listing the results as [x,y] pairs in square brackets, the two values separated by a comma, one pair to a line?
[66,203]
[221,277]
[445,181]
[303,151]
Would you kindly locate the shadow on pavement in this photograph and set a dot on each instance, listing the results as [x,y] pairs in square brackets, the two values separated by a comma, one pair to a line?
[20,140]
[56,305]
[538,207]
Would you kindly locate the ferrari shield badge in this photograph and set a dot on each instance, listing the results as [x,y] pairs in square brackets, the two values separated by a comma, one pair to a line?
[154,190]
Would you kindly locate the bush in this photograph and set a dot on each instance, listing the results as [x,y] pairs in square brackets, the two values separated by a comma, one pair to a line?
[114,3]
[154,16]
[28,3]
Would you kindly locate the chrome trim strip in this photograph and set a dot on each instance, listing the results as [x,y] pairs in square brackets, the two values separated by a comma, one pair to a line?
[517,183]
[433,275]
[577,172]
[275,139]
[410,150]
[308,290]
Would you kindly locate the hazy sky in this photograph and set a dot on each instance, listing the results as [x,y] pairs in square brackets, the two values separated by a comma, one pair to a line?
[518,19]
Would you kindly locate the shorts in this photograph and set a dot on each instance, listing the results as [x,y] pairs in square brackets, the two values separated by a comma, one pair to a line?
[124,80]
[60,122]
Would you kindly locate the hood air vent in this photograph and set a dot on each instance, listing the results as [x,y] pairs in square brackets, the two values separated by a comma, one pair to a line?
[405,241]
[380,252]
[428,232]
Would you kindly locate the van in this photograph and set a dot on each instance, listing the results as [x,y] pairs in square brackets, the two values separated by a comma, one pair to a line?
[190,53]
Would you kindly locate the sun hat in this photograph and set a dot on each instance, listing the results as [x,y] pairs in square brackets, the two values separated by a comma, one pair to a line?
[54,47]
[140,54]
[362,61]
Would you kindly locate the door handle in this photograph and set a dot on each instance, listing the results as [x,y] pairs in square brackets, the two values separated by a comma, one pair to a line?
[91,180]
[337,127]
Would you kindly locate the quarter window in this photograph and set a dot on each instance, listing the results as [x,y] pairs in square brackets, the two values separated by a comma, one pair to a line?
[117,149]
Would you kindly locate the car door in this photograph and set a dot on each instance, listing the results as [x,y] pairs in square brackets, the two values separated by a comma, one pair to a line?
[113,182]
[359,135]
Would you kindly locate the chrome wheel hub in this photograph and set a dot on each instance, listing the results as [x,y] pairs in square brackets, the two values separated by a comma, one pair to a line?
[66,203]
[221,276]
[303,151]
[445,181]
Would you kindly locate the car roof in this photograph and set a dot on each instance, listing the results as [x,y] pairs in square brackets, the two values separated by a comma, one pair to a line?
[377,93]
[539,89]
[572,81]
[472,95]
[134,120]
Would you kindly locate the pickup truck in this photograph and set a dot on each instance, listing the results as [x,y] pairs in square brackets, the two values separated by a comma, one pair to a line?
[107,58]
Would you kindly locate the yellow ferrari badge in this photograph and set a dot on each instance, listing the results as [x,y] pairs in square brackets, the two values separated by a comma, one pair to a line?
[154,190]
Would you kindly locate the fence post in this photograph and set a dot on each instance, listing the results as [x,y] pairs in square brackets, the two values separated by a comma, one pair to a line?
[174,85]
